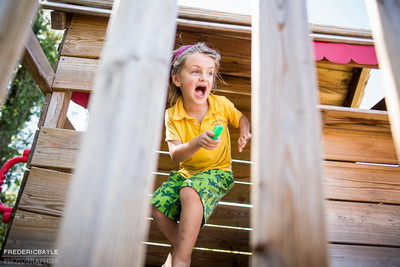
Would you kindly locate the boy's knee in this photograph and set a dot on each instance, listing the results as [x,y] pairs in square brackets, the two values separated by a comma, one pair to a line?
[188,193]
[155,213]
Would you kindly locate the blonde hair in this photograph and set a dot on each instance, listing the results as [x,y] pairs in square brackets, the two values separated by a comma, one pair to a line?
[178,60]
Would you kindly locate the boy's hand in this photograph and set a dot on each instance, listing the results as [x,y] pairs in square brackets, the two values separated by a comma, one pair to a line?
[243,139]
[205,140]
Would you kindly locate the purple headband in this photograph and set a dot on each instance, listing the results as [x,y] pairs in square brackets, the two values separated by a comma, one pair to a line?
[180,51]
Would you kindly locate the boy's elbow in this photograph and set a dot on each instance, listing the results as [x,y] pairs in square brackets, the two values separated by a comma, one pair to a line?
[174,158]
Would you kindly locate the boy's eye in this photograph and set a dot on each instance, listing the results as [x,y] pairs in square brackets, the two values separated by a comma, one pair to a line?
[195,71]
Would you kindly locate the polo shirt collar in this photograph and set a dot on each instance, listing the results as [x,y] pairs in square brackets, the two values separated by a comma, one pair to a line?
[180,112]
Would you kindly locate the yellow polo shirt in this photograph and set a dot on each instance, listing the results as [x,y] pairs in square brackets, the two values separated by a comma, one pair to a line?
[182,127]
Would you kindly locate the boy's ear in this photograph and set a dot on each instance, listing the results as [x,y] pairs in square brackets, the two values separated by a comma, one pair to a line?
[176,80]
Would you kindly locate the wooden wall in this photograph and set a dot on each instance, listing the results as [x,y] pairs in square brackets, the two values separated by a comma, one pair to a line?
[362,200]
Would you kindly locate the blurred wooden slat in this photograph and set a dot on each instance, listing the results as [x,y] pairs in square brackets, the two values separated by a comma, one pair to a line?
[15,18]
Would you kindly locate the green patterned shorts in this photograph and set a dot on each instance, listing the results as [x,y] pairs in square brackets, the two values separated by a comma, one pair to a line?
[211,186]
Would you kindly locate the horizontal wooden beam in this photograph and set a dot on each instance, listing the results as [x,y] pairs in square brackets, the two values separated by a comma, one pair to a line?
[37,64]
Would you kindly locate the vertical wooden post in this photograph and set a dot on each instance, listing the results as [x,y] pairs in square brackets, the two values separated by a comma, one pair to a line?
[56,114]
[288,214]
[385,23]
[15,18]
[105,220]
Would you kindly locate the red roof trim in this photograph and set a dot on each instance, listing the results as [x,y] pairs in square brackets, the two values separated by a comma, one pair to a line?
[344,53]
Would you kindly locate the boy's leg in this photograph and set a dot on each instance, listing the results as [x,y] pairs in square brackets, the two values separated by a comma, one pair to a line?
[169,228]
[190,223]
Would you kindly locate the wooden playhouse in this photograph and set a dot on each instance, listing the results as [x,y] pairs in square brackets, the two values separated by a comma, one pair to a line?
[361,177]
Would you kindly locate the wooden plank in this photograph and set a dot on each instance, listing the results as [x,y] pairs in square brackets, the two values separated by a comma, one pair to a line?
[356,119]
[286,150]
[56,148]
[117,149]
[86,37]
[363,256]
[363,223]
[361,182]
[45,192]
[56,114]
[37,64]
[75,74]
[15,21]
[358,146]
[385,22]
[33,231]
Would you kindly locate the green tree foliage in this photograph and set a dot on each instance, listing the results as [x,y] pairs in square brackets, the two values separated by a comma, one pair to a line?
[23,102]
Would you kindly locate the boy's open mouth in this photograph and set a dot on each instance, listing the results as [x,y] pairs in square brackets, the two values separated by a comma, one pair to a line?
[200,90]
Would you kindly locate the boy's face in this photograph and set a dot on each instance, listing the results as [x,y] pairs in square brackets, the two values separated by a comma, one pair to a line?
[196,78]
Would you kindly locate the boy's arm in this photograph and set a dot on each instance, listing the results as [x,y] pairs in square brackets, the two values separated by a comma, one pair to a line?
[180,152]
[244,133]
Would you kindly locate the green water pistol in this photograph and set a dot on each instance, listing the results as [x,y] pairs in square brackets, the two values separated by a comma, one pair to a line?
[218,129]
